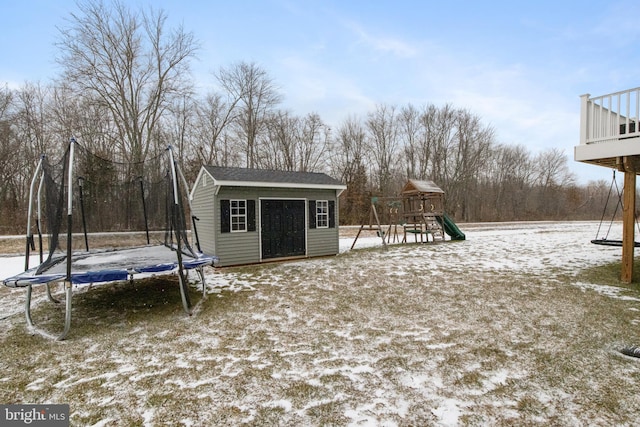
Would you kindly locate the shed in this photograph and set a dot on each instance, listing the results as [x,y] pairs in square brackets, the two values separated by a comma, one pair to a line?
[248,216]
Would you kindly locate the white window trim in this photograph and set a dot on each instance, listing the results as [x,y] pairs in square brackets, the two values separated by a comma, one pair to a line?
[324,215]
[232,215]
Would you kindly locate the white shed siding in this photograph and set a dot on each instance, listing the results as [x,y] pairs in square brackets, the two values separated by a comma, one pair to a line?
[202,203]
[236,248]
[322,241]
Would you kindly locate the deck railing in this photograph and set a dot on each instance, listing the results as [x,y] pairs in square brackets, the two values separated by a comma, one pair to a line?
[610,117]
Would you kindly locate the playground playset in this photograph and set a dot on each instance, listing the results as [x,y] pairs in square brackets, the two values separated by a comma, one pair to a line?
[418,211]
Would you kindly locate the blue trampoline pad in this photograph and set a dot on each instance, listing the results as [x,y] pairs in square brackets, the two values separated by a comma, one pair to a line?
[111,265]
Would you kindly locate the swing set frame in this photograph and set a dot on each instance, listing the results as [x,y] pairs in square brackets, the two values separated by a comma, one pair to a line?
[605,241]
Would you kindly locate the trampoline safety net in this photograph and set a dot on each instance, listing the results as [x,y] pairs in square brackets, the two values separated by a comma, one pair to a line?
[95,216]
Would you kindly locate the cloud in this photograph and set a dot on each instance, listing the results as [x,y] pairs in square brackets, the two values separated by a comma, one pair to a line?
[310,87]
[384,44]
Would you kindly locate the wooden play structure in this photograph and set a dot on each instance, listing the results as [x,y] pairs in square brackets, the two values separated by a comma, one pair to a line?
[423,203]
[610,137]
[418,211]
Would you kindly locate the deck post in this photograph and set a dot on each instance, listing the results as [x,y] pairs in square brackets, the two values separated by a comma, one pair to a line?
[628,219]
[584,118]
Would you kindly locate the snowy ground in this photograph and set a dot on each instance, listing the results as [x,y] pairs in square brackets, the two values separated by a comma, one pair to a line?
[499,329]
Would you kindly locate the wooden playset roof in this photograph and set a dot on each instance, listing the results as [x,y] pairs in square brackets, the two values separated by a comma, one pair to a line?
[414,186]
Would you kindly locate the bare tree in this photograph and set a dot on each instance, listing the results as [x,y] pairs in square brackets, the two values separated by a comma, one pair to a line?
[5,102]
[258,96]
[10,176]
[214,118]
[382,126]
[473,148]
[313,144]
[552,169]
[552,175]
[350,150]
[31,119]
[410,130]
[23,128]
[130,64]
[508,179]
[82,117]
[278,147]
[292,143]
[348,165]
[180,129]
[442,144]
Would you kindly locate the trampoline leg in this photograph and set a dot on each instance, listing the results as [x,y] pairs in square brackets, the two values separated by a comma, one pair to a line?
[51,298]
[204,283]
[67,315]
[67,318]
[184,293]
[27,307]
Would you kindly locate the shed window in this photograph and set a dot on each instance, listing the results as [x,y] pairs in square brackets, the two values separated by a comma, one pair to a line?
[322,214]
[238,215]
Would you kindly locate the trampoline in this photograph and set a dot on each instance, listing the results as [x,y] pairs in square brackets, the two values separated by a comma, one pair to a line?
[111,265]
[107,195]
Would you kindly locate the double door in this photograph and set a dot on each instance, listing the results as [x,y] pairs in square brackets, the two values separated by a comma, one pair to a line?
[282,228]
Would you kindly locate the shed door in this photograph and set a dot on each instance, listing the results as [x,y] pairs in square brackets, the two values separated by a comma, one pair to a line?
[282,227]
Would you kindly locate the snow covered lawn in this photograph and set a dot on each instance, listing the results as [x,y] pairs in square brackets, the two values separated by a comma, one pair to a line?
[506,328]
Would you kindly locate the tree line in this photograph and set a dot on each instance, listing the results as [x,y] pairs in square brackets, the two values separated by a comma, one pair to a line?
[125,91]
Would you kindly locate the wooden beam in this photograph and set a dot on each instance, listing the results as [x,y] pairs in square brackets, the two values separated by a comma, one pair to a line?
[628,219]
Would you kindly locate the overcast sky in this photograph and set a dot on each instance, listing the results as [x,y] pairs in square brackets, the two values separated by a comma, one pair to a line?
[520,66]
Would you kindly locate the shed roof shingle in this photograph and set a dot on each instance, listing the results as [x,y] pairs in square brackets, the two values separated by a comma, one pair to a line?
[231,174]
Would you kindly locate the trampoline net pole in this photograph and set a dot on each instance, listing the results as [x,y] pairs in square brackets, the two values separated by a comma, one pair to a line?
[29,242]
[70,206]
[178,225]
[144,210]
[84,218]
[39,218]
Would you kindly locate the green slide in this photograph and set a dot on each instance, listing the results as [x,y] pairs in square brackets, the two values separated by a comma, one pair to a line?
[450,227]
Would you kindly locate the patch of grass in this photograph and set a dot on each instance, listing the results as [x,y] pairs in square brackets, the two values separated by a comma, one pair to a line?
[336,380]
[329,413]
[497,356]
[392,363]
[505,389]
[267,416]
[300,392]
[89,419]
[470,379]
[607,399]
[530,405]
[609,274]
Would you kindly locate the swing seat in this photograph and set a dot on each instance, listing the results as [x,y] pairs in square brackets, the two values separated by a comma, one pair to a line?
[611,242]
